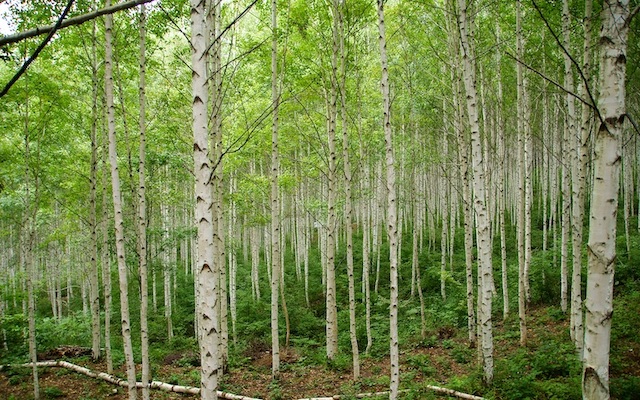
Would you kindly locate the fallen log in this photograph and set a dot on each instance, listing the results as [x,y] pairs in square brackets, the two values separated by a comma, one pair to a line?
[358,396]
[437,389]
[455,393]
[167,387]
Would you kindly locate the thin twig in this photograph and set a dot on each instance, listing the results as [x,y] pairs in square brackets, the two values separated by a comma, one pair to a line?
[574,62]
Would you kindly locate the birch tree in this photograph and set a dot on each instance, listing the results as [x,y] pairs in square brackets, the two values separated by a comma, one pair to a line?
[205,264]
[522,307]
[338,29]
[567,181]
[392,228]
[464,175]
[26,249]
[118,210]
[581,160]
[616,18]
[105,258]
[332,114]
[275,203]
[142,209]
[93,220]
[483,221]
[501,180]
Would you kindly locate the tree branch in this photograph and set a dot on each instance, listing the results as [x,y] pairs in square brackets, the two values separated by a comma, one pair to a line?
[554,83]
[35,54]
[236,19]
[635,126]
[632,14]
[41,30]
[573,61]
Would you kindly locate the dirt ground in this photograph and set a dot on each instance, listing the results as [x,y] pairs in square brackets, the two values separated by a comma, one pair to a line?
[297,381]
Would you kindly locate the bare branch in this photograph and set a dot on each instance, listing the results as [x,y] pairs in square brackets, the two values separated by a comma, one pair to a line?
[70,22]
[35,54]
[632,14]
[236,19]
[573,61]
[554,83]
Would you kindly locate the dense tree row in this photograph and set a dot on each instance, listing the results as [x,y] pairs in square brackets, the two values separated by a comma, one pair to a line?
[142,140]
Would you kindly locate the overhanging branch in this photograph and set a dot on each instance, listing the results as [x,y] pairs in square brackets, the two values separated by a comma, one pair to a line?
[42,30]
[35,54]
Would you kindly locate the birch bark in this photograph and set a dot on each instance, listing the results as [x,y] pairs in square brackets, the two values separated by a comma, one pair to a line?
[105,259]
[616,18]
[27,243]
[117,211]
[348,207]
[275,203]
[522,308]
[483,221]
[207,308]
[392,228]
[142,210]
[331,302]
[581,164]
[93,221]
[570,135]
[501,181]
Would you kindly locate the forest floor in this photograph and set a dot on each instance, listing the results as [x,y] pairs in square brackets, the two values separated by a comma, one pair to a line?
[445,361]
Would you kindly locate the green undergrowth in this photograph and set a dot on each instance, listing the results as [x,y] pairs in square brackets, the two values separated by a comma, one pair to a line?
[547,368]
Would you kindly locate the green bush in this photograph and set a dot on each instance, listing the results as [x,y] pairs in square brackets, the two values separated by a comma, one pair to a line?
[554,360]
[52,392]
[462,354]
[626,318]
[625,388]
[72,330]
[14,326]
[422,363]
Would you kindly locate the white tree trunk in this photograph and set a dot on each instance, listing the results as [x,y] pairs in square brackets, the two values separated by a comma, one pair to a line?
[118,211]
[142,211]
[602,228]
[207,299]
[214,15]
[338,29]
[254,238]
[27,247]
[570,135]
[366,248]
[331,302]
[581,160]
[233,236]
[275,201]
[483,221]
[444,197]
[105,260]
[93,221]
[528,186]
[522,308]
[392,226]
[501,201]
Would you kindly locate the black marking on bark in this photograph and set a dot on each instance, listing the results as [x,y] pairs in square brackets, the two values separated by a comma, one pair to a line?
[605,41]
[591,382]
